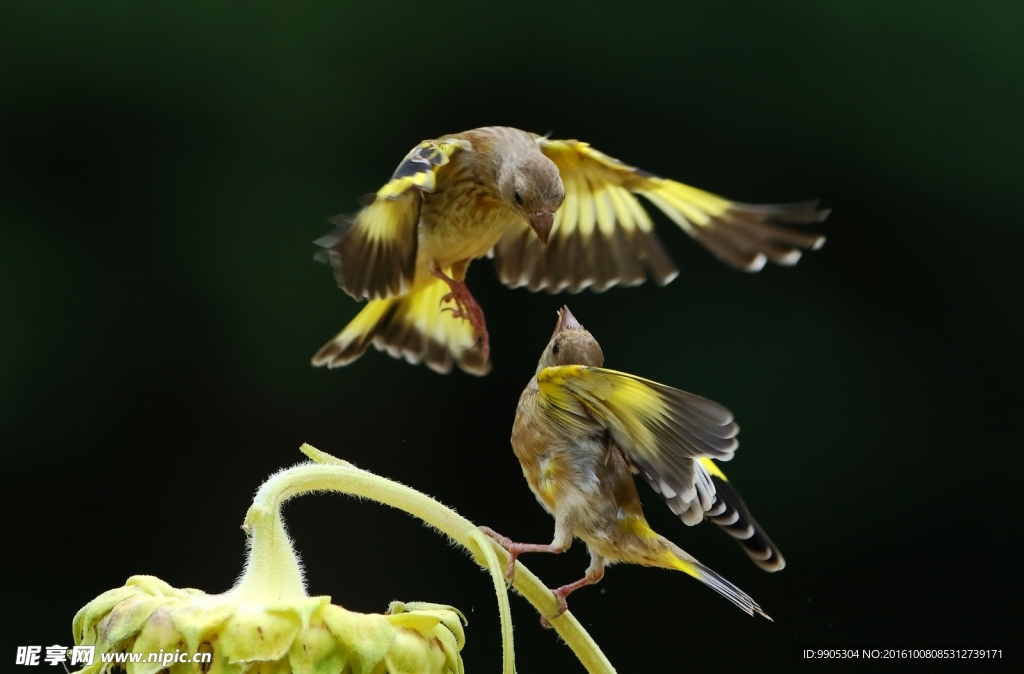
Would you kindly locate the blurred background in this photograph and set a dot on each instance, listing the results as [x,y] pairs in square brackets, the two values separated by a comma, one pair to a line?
[164,168]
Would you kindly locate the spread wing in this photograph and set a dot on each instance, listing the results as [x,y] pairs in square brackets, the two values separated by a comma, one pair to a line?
[662,431]
[374,252]
[602,236]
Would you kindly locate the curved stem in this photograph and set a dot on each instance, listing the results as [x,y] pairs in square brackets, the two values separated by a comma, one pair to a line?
[333,474]
[508,656]
[272,568]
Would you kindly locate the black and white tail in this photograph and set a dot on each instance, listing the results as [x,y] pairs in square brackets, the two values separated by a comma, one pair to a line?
[731,513]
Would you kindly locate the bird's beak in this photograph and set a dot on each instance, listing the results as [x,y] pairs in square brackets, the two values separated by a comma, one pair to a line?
[566,321]
[541,223]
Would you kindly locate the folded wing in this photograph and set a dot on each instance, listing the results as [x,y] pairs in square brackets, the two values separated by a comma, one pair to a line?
[662,431]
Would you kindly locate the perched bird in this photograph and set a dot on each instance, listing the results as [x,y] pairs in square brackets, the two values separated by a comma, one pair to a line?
[554,214]
[582,431]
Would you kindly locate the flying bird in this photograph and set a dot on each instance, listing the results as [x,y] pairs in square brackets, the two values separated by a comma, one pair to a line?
[582,431]
[553,214]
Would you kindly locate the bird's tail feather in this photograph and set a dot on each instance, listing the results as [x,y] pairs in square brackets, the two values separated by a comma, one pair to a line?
[732,515]
[413,326]
[677,558]
[742,235]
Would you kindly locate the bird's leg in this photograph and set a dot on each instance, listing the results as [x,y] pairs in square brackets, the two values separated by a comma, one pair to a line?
[466,307]
[516,549]
[595,572]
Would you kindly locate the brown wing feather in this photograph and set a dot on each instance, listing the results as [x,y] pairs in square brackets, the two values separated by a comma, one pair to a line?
[369,266]
[602,217]
[374,252]
[601,235]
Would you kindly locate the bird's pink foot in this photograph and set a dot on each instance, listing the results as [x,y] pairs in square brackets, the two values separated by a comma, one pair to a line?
[560,594]
[467,308]
[516,549]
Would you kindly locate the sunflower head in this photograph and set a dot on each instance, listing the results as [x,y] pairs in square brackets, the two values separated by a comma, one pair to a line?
[192,632]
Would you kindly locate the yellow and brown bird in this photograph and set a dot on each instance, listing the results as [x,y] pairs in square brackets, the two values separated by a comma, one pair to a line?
[554,214]
[582,431]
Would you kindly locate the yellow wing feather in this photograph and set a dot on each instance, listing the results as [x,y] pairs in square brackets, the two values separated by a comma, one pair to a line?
[413,326]
[601,235]
[374,252]
[713,470]
[662,431]
[600,190]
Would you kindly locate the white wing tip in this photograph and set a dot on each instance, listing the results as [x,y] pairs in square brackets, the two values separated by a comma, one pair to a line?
[790,258]
[757,264]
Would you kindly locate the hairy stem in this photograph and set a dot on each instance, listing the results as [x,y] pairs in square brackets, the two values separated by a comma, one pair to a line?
[332,474]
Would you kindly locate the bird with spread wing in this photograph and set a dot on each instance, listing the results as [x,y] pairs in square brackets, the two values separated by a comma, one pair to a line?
[581,431]
[554,214]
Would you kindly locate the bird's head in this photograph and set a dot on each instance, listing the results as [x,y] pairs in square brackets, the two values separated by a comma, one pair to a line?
[532,188]
[571,344]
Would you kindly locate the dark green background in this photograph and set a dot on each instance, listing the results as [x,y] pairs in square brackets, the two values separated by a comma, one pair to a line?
[166,166]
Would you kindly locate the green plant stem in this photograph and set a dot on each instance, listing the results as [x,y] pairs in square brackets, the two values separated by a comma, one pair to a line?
[272,569]
[333,474]
[508,655]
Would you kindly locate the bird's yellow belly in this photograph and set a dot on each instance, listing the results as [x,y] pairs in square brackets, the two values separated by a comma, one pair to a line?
[451,233]
[462,241]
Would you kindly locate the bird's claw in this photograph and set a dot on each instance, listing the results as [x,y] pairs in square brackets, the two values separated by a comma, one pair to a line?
[513,554]
[458,313]
[459,310]
[468,309]
[563,606]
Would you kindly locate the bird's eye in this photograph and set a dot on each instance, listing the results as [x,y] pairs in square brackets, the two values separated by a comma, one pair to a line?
[554,349]
[519,198]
